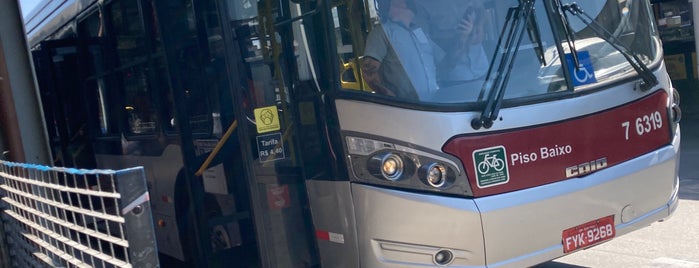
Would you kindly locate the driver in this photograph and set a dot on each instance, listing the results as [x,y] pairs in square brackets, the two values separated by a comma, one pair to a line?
[401,60]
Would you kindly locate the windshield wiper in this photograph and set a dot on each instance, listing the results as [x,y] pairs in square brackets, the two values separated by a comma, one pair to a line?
[570,38]
[496,79]
[649,80]
[535,37]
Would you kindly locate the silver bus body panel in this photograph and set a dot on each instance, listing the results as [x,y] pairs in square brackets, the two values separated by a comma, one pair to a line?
[517,229]
[402,229]
[646,186]
[333,211]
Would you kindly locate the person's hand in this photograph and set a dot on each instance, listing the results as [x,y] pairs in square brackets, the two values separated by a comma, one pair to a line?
[470,31]
[465,30]
[465,26]
[371,75]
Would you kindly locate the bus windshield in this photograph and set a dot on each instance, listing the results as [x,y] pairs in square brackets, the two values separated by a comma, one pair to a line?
[450,51]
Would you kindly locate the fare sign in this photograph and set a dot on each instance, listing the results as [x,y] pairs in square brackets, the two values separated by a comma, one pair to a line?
[270,147]
[588,234]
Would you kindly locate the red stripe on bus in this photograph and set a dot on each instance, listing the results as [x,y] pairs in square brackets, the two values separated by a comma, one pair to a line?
[567,149]
[323,235]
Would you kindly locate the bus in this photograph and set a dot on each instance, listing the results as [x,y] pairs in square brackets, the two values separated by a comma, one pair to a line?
[368,133]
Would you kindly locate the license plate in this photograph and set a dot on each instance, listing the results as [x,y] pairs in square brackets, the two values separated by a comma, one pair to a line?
[588,234]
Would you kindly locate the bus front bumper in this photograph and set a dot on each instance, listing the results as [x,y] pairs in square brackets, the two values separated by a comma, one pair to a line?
[517,229]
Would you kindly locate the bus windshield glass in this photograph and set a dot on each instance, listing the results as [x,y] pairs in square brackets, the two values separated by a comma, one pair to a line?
[450,51]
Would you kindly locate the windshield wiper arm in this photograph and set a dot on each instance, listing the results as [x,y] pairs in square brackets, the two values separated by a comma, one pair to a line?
[567,32]
[649,80]
[496,81]
[535,37]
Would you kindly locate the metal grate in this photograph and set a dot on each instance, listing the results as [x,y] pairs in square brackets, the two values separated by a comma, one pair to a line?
[61,217]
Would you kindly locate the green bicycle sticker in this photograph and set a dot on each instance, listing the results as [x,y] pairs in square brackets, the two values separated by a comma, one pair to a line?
[491,166]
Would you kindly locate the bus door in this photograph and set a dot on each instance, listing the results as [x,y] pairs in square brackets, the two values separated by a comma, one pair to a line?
[277,95]
[243,154]
[58,75]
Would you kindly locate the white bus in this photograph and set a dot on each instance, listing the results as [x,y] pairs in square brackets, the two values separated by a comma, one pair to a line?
[362,133]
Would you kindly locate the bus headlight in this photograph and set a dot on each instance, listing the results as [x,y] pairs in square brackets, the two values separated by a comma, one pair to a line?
[437,175]
[400,165]
[434,175]
[389,166]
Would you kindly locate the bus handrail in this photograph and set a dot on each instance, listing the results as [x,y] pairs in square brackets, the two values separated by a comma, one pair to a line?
[218,147]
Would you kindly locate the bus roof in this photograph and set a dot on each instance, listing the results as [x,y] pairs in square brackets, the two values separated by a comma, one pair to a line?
[50,15]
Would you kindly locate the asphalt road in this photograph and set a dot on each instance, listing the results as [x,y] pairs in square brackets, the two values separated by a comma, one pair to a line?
[673,243]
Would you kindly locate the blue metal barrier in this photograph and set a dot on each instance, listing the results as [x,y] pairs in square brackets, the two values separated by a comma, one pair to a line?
[63,217]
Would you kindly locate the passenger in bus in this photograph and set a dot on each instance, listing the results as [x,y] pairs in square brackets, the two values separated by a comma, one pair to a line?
[401,59]
[438,18]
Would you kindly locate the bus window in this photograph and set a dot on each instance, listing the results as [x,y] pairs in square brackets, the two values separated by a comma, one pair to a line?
[103,107]
[415,57]
[148,103]
[271,72]
[141,116]
[106,108]
[190,73]
[216,78]
[58,67]
[350,37]
[91,29]
[167,111]
[128,33]
[625,22]
[127,30]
